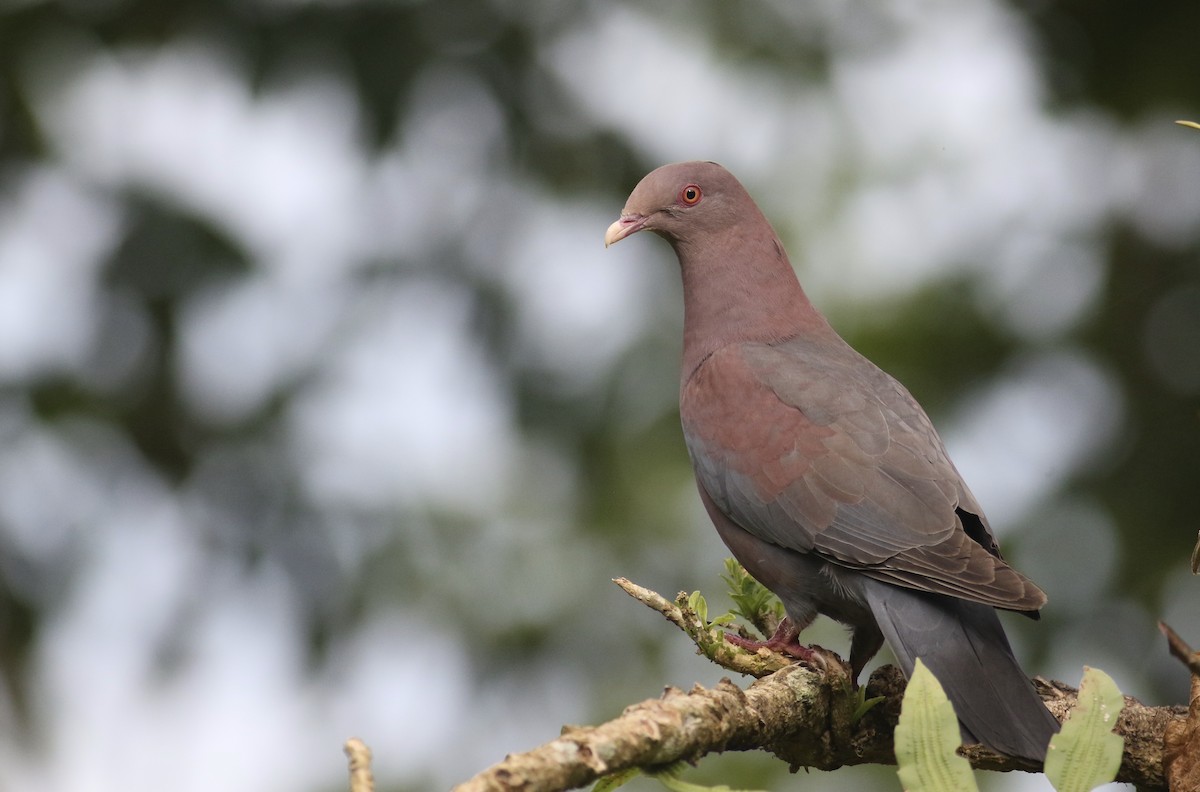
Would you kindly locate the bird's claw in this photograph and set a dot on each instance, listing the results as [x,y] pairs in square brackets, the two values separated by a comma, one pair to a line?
[785,642]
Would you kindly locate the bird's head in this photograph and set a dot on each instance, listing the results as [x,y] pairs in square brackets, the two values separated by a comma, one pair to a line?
[676,201]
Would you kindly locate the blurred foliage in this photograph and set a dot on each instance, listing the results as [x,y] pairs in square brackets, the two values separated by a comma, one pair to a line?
[1117,57]
[1121,59]
[668,778]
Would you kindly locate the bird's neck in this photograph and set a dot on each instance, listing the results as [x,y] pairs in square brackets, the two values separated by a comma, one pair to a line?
[742,289]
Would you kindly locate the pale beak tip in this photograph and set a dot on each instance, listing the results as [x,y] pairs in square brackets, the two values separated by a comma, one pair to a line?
[623,227]
[613,234]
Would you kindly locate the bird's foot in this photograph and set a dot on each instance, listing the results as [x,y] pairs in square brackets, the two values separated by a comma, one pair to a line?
[785,641]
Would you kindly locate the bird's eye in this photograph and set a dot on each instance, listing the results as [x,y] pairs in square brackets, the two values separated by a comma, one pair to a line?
[690,195]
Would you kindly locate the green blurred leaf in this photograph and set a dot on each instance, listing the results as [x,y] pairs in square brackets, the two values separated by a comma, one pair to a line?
[616,780]
[927,739]
[1086,753]
[679,785]
[668,776]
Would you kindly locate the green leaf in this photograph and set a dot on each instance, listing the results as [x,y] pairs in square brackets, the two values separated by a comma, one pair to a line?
[699,605]
[753,602]
[669,777]
[927,739]
[864,704]
[679,785]
[1086,753]
[616,780]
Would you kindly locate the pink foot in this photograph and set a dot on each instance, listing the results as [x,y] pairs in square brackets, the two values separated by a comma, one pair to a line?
[785,641]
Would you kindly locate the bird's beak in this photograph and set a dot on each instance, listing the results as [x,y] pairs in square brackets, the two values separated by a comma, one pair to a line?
[626,225]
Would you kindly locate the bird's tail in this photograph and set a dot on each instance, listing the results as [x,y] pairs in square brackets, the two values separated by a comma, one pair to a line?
[965,647]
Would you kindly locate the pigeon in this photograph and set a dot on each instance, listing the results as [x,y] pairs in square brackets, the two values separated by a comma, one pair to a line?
[822,474]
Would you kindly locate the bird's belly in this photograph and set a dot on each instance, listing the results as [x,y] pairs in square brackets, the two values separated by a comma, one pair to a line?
[805,583]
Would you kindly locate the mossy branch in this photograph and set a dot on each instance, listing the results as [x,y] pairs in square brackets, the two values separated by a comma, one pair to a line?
[807,717]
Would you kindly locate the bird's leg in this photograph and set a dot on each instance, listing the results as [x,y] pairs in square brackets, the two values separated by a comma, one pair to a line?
[785,641]
[866,642]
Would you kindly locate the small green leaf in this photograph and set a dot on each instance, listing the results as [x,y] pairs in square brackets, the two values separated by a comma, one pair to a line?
[864,704]
[699,605]
[927,739]
[1086,753]
[616,780]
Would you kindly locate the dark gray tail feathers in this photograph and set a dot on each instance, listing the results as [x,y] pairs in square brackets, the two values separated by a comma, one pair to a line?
[965,647]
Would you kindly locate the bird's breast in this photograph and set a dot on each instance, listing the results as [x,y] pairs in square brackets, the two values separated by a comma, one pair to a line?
[735,424]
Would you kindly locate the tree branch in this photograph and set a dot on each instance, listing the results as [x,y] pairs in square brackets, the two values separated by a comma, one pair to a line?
[1181,752]
[803,715]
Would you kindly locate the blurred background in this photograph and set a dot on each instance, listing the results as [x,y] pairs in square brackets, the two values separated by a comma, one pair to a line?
[324,412]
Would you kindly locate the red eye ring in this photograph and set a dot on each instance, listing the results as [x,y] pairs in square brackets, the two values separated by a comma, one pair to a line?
[690,195]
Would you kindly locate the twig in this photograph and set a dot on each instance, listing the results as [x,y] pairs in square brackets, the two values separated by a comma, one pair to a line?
[1180,650]
[359,755]
[710,641]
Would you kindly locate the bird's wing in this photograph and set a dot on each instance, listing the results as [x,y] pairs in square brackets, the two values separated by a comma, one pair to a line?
[809,446]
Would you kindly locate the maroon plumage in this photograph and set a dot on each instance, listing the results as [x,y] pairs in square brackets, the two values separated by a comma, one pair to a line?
[823,476]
